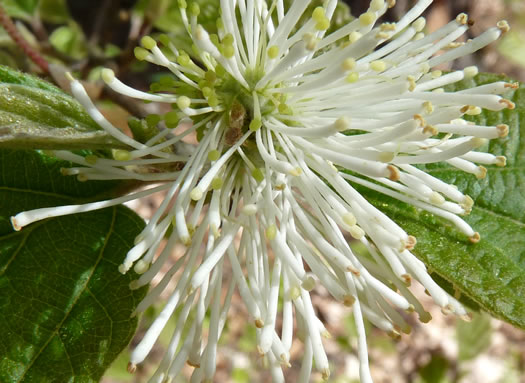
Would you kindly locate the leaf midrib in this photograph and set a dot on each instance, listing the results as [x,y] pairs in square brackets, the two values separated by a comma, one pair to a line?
[81,291]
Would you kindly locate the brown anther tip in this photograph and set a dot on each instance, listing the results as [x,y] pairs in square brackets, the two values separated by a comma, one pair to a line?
[348,300]
[467,317]
[503,26]
[193,364]
[132,368]
[425,317]
[407,278]
[394,335]
[395,174]
[482,172]
[391,3]
[462,18]
[260,351]
[410,308]
[406,329]
[419,118]
[475,237]
[503,130]
[283,359]
[466,108]
[470,22]
[512,85]
[354,271]
[427,292]
[508,104]
[411,242]
[15,225]
[259,323]
[447,310]
[501,161]
[430,130]
[325,374]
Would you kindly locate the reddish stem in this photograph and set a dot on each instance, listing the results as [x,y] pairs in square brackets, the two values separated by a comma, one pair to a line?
[10,28]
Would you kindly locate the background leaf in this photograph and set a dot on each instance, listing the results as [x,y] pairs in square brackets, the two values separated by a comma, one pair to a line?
[491,272]
[473,338]
[64,307]
[36,115]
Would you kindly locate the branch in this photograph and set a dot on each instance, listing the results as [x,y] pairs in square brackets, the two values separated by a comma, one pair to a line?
[13,32]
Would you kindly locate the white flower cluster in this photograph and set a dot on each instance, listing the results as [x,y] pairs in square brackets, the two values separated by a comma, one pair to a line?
[289,119]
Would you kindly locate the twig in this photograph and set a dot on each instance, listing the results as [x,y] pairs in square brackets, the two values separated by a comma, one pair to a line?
[11,29]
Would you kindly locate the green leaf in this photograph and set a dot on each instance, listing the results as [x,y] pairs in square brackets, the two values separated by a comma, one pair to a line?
[435,370]
[54,11]
[64,307]
[37,115]
[492,272]
[473,338]
[70,40]
[21,9]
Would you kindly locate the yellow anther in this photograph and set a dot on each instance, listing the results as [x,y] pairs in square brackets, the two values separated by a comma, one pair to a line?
[367,18]
[196,194]
[148,42]
[386,157]
[213,155]
[411,83]
[183,102]
[473,110]
[273,51]
[437,199]
[419,24]
[354,36]
[140,53]
[349,219]
[429,108]
[318,14]
[376,5]
[356,232]
[501,161]
[348,64]
[436,73]
[352,77]
[462,18]
[470,71]
[388,27]
[107,75]
[271,232]
[121,155]
[217,183]
[255,124]
[342,124]
[308,284]
[323,25]
[378,66]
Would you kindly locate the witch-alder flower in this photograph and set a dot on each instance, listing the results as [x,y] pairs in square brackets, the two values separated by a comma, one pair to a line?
[289,120]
